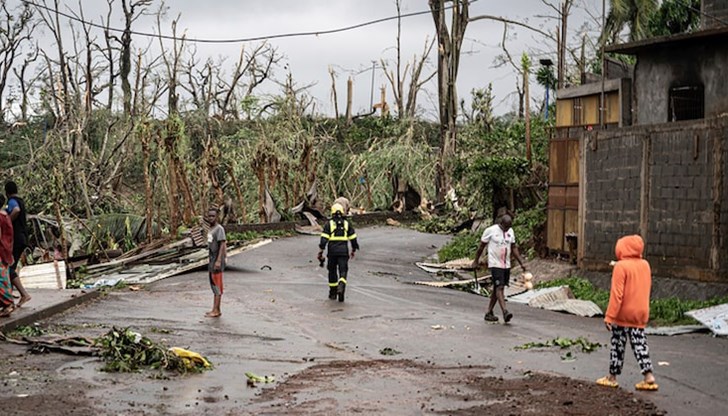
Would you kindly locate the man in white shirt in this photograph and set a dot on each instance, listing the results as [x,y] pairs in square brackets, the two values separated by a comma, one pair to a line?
[501,242]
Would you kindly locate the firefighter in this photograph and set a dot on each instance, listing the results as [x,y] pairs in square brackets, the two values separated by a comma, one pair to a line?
[337,233]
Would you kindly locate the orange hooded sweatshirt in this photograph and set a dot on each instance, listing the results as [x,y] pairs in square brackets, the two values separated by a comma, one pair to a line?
[629,298]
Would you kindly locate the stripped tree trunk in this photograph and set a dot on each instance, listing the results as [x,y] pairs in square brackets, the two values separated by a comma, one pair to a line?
[448,61]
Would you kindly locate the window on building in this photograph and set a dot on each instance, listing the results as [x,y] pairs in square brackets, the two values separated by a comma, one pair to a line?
[576,116]
[686,103]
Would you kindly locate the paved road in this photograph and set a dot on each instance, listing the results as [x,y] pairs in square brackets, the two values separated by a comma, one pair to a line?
[279,321]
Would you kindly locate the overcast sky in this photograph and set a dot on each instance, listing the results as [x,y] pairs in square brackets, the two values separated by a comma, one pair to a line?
[351,53]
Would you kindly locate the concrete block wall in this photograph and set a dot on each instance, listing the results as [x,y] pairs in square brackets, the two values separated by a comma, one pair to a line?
[680,220]
[612,191]
[667,183]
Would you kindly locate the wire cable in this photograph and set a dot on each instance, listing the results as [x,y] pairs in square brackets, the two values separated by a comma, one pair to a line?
[239,40]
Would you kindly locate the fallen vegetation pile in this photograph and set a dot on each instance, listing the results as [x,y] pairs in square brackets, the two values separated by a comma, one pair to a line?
[583,344]
[124,350]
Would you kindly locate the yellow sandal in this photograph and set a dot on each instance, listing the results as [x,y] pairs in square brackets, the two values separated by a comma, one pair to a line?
[645,386]
[604,381]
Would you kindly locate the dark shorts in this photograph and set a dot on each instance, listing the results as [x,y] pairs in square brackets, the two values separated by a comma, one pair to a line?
[216,283]
[500,277]
[17,253]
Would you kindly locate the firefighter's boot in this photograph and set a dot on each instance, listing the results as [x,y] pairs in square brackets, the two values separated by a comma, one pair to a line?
[341,289]
[333,292]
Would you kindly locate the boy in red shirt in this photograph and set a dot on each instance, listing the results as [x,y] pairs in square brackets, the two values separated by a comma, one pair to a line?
[629,311]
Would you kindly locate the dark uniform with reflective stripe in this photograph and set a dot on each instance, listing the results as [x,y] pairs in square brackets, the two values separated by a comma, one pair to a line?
[337,233]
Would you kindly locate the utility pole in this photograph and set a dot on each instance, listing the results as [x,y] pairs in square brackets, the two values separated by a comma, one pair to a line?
[601,101]
[371,95]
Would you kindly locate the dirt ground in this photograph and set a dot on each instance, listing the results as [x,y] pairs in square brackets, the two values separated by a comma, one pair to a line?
[442,390]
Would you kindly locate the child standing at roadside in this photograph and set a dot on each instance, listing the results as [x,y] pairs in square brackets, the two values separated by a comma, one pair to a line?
[217,247]
[629,311]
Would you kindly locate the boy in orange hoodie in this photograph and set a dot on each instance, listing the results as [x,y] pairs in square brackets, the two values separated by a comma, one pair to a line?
[629,311]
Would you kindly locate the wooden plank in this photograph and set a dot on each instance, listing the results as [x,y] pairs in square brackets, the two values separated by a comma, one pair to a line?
[557,161]
[612,104]
[572,162]
[557,197]
[564,113]
[590,110]
[571,197]
[555,229]
[571,222]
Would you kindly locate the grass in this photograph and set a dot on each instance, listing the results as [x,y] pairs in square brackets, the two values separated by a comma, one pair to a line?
[462,245]
[663,312]
[252,235]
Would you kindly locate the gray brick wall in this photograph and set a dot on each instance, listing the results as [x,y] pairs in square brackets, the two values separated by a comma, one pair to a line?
[680,207]
[613,192]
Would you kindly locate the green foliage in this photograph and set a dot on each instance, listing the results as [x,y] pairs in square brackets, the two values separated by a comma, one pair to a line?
[27,331]
[632,14]
[528,226]
[389,351]
[546,78]
[462,245]
[436,224]
[125,351]
[582,343]
[675,16]
[252,235]
[492,163]
[671,311]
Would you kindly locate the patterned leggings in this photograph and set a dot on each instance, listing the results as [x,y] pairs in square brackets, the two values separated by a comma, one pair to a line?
[637,340]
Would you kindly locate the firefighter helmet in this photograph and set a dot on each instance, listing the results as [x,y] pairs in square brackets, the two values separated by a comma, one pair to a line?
[337,208]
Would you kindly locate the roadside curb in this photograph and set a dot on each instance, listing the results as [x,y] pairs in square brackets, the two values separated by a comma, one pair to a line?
[11,324]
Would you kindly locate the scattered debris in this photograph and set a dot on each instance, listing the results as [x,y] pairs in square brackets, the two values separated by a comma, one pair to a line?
[254,378]
[714,317]
[44,275]
[393,223]
[437,327]
[314,228]
[266,267]
[563,343]
[124,350]
[663,363]
[389,351]
[191,359]
[27,331]
[558,299]
[675,330]
[159,264]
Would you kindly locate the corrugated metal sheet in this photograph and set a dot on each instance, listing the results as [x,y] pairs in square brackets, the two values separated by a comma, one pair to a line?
[526,297]
[148,273]
[558,299]
[715,318]
[674,330]
[574,307]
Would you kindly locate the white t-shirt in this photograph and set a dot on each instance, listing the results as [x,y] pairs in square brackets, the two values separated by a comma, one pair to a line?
[499,246]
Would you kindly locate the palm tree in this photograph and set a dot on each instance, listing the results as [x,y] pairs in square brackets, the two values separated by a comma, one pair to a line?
[633,14]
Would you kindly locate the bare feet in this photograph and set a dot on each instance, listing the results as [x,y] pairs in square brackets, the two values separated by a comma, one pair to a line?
[24,300]
[649,378]
[213,314]
[6,311]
